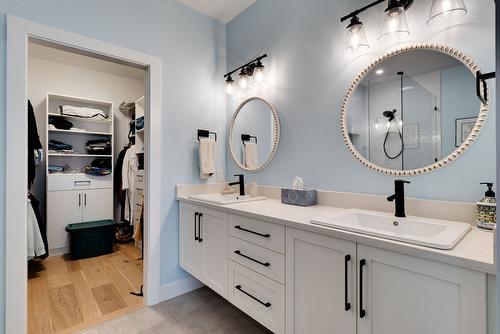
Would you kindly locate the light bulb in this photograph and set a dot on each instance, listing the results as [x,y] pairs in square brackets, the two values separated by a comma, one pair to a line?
[243,83]
[356,40]
[388,124]
[446,10]
[376,124]
[259,72]
[395,25]
[229,85]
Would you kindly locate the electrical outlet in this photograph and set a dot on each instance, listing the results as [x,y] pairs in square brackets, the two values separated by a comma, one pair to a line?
[221,176]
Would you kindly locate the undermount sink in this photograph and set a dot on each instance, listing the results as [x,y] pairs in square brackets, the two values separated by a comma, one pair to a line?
[421,231]
[225,199]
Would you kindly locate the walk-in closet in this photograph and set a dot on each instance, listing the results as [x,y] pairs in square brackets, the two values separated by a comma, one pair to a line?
[85,188]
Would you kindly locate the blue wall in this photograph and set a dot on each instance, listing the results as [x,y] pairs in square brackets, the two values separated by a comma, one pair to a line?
[192,49]
[310,74]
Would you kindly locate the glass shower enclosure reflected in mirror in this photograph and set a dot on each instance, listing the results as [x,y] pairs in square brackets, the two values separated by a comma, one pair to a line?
[406,113]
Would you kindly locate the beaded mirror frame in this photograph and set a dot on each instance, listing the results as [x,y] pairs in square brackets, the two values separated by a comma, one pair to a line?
[276,134]
[480,123]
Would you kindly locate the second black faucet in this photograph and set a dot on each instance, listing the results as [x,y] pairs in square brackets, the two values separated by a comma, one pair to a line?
[399,198]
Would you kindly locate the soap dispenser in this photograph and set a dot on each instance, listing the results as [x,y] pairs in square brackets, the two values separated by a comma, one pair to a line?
[487,209]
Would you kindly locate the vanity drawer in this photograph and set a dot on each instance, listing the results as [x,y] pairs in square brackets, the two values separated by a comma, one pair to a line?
[259,259]
[75,181]
[260,297]
[265,234]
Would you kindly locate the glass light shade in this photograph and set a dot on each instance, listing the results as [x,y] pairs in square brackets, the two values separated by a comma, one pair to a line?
[259,74]
[395,25]
[243,83]
[230,87]
[444,10]
[356,40]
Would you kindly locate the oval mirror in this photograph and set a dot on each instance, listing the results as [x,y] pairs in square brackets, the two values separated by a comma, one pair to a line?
[254,134]
[413,110]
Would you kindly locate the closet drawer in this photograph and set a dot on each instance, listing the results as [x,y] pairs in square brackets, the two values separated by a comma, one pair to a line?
[77,181]
[260,259]
[265,234]
[260,297]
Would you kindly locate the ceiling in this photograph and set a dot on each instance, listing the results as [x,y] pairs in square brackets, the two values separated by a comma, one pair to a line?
[221,10]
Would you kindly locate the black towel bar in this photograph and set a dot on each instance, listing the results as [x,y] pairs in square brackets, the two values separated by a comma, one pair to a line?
[206,134]
[245,138]
[481,78]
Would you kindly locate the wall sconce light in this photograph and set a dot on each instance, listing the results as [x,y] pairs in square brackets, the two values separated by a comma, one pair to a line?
[395,24]
[446,9]
[253,69]
[356,40]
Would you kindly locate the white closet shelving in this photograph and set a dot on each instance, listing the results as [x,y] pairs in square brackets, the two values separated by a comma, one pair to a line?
[74,196]
[139,133]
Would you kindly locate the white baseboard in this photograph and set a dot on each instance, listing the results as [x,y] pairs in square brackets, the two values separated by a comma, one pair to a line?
[177,288]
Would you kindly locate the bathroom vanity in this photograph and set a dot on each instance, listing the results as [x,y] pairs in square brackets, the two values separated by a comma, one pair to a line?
[293,276]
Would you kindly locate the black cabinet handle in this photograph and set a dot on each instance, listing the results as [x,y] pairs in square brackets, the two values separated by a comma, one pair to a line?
[85,199]
[346,292]
[362,312]
[199,227]
[79,199]
[266,264]
[238,227]
[195,222]
[249,295]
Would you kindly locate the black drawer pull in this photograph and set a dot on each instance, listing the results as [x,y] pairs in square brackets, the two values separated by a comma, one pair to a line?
[249,295]
[200,239]
[362,312]
[346,292]
[195,222]
[238,227]
[266,264]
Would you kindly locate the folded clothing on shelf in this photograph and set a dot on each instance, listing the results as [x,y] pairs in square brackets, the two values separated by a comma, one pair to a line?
[101,163]
[83,112]
[55,145]
[97,171]
[127,108]
[55,169]
[60,123]
[139,123]
[99,146]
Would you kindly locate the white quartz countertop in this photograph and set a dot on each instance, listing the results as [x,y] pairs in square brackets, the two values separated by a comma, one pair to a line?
[474,251]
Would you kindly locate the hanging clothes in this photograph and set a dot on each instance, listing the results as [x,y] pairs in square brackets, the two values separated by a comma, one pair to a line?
[118,182]
[42,226]
[34,144]
[36,247]
[130,167]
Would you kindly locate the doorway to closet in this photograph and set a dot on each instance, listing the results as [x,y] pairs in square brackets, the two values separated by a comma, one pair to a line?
[86,188]
[19,210]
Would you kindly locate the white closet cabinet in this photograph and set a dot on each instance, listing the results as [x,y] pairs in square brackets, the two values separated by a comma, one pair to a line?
[320,284]
[63,208]
[203,245]
[406,294]
[97,204]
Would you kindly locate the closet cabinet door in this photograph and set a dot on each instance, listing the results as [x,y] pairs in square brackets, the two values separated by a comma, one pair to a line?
[213,241]
[97,204]
[320,284]
[189,247]
[63,208]
[406,294]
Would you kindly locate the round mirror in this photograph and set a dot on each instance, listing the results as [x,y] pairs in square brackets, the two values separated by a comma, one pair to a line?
[254,134]
[413,110]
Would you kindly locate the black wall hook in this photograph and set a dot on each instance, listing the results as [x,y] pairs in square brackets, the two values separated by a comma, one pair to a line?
[206,134]
[481,78]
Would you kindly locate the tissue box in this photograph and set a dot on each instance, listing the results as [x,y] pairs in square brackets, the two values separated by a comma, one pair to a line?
[305,197]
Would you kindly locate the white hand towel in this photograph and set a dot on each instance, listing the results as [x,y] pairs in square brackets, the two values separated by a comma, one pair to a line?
[207,157]
[251,155]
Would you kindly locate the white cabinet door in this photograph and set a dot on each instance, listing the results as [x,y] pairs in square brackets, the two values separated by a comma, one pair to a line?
[189,249]
[213,242]
[97,204]
[319,299]
[63,208]
[410,295]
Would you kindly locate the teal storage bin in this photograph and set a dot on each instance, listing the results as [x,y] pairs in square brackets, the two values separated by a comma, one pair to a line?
[91,238]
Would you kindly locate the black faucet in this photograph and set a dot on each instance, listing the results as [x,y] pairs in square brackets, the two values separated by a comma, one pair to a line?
[399,197]
[241,182]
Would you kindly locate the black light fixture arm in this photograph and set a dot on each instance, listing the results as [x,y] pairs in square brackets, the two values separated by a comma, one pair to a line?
[246,65]
[392,3]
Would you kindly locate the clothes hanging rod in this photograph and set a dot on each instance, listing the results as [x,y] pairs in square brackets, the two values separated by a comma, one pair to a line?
[247,64]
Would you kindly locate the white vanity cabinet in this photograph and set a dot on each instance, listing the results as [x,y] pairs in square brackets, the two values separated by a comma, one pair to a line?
[320,284]
[405,294]
[203,245]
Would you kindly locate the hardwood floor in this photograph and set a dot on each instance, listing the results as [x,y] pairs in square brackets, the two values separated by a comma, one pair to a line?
[63,294]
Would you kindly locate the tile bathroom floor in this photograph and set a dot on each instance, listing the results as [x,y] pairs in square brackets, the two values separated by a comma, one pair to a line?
[200,311]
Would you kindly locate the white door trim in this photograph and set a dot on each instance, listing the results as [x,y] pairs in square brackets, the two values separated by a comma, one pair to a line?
[18,32]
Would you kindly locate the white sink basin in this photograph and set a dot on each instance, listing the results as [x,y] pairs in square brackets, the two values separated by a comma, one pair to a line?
[421,231]
[221,199]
